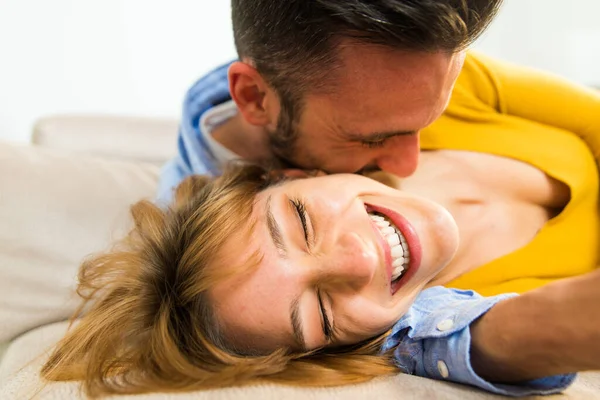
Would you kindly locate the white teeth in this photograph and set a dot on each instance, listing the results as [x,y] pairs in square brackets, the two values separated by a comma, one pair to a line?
[397,272]
[398,262]
[388,230]
[393,239]
[397,251]
[397,242]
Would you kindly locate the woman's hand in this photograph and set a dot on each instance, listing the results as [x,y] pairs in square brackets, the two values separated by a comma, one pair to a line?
[549,331]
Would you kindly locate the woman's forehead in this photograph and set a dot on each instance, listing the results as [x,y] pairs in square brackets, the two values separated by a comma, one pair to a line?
[252,305]
[247,249]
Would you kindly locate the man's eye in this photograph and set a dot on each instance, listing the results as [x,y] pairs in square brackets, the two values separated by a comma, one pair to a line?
[375,144]
[301,211]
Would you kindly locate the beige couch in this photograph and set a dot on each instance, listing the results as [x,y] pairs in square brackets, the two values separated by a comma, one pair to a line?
[67,196]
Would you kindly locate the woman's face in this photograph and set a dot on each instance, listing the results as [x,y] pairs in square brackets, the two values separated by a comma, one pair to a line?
[333,252]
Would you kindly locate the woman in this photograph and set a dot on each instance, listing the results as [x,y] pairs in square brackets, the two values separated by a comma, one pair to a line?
[300,281]
[200,295]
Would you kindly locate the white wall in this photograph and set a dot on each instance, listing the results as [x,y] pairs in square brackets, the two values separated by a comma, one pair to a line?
[133,57]
[557,35]
[138,57]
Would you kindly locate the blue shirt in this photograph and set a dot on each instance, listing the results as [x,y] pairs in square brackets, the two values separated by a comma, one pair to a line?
[433,339]
[194,155]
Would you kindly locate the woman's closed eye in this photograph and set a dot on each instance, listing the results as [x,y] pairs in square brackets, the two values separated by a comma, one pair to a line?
[303,216]
[325,321]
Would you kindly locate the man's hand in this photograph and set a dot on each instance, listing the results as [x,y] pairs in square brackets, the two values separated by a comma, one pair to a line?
[549,331]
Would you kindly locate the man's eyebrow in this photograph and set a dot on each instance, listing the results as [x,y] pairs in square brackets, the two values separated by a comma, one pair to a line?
[274,230]
[378,136]
[297,329]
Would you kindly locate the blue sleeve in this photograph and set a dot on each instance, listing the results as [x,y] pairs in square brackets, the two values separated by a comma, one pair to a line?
[433,340]
[193,155]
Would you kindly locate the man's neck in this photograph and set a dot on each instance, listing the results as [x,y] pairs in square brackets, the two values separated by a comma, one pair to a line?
[248,141]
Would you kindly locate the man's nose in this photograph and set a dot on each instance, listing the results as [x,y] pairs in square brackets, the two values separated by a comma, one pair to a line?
[400,159]
[352,263]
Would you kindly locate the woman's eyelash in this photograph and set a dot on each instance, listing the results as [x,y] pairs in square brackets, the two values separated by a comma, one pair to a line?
[302,214]
[301,210]
[327,330]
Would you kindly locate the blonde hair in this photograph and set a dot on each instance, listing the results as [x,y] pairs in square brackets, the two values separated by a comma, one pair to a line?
[149,325]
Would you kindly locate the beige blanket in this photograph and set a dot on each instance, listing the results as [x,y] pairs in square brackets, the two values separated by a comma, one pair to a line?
[24,383]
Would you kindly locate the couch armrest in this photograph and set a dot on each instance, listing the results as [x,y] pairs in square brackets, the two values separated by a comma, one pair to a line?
[151,140]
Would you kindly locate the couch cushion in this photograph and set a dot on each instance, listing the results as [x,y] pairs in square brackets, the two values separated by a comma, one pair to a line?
[19,378]
[55,209]
[17,382]
[147,139]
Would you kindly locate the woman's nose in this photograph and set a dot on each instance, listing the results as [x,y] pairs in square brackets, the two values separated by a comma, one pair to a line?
[352,262]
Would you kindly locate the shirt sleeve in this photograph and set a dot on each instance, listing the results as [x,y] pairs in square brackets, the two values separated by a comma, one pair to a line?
[433,340]
[534,95]
[193,154]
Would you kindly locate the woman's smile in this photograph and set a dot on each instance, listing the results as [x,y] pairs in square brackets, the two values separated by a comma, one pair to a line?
[400,244]
[342,259]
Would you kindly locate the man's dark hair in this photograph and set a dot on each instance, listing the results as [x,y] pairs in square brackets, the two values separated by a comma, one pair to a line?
[292,43]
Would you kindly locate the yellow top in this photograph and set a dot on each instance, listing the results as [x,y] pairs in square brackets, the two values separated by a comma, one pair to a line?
[540,119]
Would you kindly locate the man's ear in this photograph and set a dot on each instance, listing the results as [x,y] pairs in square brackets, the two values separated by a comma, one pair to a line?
[255,99]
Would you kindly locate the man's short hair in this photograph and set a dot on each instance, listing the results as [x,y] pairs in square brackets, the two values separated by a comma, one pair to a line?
[292,42]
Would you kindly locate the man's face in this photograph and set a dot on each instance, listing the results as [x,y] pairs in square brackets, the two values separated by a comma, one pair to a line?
[372,119]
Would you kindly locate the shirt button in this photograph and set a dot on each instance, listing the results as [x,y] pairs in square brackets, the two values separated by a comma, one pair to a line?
[443,369]
[445,325]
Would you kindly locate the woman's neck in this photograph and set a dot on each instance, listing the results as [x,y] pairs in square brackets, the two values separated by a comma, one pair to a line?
[499,204]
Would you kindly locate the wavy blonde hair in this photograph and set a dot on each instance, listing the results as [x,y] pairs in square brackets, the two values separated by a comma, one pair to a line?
[146,323]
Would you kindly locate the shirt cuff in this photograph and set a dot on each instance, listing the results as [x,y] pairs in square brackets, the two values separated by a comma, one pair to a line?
[448,358]
[433,340]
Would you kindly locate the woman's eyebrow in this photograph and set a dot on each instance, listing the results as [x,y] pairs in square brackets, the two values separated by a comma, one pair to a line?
[277,238]
[274,230]
[297,327]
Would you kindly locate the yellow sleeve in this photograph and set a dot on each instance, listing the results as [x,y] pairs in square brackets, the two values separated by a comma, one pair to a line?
[532,95]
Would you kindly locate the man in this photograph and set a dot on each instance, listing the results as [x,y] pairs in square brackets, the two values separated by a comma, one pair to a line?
[346,86]
[341,86]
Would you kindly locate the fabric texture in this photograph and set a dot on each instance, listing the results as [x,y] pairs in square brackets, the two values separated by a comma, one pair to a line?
[194,155]
[547,122]
[211,120]
[57,208]
[148,140]
[19,380]
[433,340]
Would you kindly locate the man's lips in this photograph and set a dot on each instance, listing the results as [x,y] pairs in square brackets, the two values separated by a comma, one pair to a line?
[412,241]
